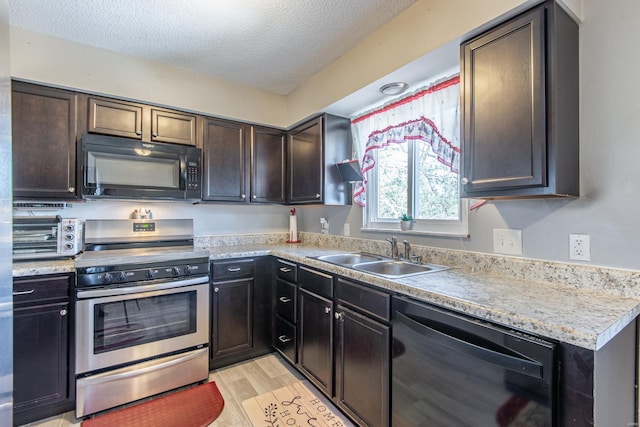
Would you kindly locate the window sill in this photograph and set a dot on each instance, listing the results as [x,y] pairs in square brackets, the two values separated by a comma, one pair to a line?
[415,232]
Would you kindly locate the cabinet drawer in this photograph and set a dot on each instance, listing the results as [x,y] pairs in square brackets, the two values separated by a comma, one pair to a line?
[316,282]
[232,269]
[286,299]
[40,289]
[369,301]
[285,339]
[287,271]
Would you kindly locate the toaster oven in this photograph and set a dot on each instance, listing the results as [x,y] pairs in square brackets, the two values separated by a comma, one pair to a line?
[41,237]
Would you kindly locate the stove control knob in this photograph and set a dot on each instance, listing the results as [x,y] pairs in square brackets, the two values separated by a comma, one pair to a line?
[176,271]
[107,278]
[187,269]
[122,276]
[151,273]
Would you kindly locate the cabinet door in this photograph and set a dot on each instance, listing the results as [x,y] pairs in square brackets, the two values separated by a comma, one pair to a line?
[362,367]
[306,163]
[232,319]
[315,349]
[504,114]
[40,355]
[225,161]
[44,130]
[117,118]
[268,160]
[170,126]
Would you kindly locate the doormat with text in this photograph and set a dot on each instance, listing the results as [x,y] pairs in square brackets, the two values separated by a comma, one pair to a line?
[293,405]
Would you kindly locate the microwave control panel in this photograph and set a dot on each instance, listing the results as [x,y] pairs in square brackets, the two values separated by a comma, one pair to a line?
[193,176]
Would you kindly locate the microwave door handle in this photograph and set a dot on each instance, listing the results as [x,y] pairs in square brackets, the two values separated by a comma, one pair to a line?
[470,349]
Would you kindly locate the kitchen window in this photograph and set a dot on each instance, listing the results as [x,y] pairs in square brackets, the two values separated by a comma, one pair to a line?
[410,161]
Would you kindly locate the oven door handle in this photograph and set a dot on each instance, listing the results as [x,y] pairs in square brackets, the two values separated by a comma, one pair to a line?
[95,293]
[136,370]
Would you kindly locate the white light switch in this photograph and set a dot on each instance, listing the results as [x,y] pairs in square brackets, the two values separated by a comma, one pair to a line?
[507,241]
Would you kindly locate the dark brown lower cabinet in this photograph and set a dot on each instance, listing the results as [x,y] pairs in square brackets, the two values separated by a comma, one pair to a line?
[232,317]
[241,313]
[42,374]
[362,367]
[315,349]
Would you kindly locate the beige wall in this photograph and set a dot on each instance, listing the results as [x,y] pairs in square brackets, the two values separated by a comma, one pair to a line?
[41,58]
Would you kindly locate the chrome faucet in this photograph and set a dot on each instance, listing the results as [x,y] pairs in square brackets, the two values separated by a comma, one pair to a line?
[407,249]
[394,247]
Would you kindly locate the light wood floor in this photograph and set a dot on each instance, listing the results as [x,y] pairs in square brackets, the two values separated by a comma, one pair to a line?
[236,383]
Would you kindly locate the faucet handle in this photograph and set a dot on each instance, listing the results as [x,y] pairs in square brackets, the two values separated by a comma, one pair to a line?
[416,258]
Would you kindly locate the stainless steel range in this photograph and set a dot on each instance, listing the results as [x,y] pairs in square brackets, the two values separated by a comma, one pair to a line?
[142,311]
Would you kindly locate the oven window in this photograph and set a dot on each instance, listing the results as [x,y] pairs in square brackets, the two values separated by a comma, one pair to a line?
[132,322]
[118,169]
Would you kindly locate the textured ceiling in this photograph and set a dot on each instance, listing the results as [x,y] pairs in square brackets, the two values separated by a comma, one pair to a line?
[270,44]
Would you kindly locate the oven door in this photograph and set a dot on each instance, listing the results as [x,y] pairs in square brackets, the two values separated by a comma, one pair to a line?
[119,326]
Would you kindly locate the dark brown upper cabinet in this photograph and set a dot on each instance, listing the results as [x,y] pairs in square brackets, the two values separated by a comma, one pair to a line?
[44,131]
[140,121]
[226,161]
[519,86]
[268,163]
[314,149]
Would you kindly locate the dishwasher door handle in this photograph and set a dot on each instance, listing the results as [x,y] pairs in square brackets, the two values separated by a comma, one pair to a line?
[507,361]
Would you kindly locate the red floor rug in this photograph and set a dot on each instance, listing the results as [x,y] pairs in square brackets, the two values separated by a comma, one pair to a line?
[195,407]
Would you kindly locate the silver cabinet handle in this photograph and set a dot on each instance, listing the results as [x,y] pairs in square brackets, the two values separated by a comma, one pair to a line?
[284,338]
[255,197]
[284,299]
[138,132]
[72,189]
[318,196]
[244,196]
[216,289]
[464,181]
[285,269]
[30,291]
[63,312]
[233,269]
[155,134]
[327,310]
[338,315]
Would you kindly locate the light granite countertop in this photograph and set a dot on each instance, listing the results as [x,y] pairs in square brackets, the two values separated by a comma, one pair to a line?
[582,317]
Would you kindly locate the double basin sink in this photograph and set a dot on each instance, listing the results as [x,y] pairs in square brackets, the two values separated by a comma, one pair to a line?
[378,265]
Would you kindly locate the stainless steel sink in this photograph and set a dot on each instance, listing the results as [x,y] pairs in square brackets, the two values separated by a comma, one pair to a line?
[397,269]
[379,265]
[349,259]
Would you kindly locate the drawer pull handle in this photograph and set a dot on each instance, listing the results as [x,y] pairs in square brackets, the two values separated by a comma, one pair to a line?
[284,338]
[327,310]
[285,269]
[284,299]
[233,269]
[63,312]
[338,316]
[216,289]
[30,291]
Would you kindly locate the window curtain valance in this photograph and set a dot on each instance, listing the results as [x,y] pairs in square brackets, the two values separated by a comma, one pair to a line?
[430,114]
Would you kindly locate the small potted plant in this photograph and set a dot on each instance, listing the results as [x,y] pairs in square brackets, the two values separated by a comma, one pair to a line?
[406,222]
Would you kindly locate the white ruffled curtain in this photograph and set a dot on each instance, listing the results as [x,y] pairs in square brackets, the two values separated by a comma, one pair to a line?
[431,114]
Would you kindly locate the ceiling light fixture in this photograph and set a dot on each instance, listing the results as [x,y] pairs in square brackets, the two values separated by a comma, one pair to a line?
[395,88]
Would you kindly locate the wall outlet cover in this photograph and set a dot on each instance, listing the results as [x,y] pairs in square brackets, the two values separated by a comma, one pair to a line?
[580,247]
[507,241]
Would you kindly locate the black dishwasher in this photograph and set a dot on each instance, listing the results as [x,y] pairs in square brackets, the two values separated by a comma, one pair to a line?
[452,370]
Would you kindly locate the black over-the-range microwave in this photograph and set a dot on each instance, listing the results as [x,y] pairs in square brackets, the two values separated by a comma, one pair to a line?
[121,168]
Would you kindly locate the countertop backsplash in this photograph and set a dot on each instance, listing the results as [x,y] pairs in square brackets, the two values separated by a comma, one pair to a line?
[617,282]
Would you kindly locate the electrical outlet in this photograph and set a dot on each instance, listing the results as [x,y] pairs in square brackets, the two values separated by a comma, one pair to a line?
[507,241]
[579,247]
